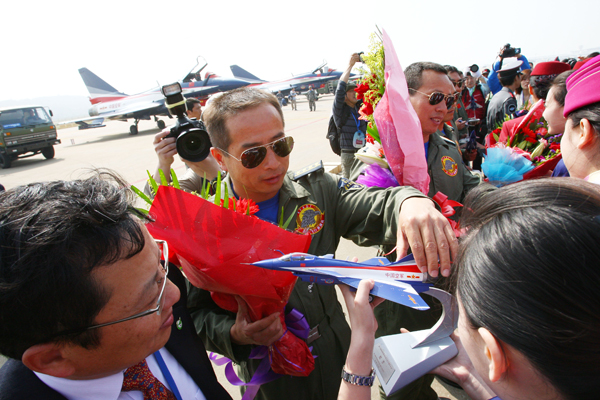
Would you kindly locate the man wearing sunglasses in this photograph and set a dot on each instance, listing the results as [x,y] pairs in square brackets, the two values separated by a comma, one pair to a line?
[86,306]
[460,119]
[247,131]
[432,95]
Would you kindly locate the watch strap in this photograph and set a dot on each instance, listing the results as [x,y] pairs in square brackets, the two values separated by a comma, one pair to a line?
[358,380]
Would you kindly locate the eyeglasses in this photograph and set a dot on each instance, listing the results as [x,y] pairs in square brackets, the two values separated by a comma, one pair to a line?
[252,158]
[458,83]
[437,97]
[157,309]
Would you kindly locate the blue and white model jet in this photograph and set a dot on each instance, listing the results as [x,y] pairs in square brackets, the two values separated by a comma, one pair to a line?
[400,281]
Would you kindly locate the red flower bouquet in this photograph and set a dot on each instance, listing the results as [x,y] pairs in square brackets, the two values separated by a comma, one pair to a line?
[213,246]
[531,139]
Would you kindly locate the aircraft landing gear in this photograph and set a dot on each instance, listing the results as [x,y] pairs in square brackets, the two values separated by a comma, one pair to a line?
[160,123]
[133,129]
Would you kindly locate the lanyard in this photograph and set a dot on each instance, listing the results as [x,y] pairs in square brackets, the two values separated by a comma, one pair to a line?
[167,375]
[355,120]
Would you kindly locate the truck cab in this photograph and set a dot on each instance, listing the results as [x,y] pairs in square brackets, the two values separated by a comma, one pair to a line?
[25,132]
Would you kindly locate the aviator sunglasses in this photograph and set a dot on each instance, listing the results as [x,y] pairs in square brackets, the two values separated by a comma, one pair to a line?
[437,97]
[252,158]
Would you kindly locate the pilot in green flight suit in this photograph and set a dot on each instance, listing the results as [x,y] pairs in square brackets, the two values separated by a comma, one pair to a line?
[336,207]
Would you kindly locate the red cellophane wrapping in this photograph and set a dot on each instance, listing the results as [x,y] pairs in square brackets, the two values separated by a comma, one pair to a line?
[213,246]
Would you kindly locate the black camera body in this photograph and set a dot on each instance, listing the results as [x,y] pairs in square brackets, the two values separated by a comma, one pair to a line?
[508,51]
[191,138]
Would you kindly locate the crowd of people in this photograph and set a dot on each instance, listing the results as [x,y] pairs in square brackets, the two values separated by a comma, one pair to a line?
[89,310]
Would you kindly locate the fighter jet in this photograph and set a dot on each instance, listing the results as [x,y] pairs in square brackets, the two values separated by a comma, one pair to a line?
[317,78]
[400,281]
[111,104]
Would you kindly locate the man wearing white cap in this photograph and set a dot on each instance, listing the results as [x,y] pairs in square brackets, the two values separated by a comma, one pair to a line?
[504,102]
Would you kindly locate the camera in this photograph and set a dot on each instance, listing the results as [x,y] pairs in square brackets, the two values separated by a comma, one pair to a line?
[360,56]
[474,68]
[508,51]
[192,140]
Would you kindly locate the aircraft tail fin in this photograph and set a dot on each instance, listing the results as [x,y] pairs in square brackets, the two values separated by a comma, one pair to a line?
[240,72]
[99,89]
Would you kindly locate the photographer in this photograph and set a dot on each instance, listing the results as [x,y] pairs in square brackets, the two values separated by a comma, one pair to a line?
[506,52]
[165,148]
[504,102]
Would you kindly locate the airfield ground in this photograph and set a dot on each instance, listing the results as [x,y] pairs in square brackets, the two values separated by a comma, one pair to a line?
[112,147]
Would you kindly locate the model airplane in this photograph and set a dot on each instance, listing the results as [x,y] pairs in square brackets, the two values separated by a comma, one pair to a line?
[109,103]
[400,281]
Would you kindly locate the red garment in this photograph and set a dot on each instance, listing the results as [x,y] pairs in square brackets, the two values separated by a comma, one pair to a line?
[140,378]
[479,111]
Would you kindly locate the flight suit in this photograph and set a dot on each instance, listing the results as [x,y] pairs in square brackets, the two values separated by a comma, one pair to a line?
[335,207]
[450,176]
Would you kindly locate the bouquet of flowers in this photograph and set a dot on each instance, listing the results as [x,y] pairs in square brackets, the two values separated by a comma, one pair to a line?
[214,243]
[530,140]
[394,130]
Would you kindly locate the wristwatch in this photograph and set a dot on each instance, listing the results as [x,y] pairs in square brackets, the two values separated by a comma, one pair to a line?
[358,379]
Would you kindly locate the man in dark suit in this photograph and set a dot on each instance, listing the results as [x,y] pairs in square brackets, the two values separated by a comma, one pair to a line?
[86,308]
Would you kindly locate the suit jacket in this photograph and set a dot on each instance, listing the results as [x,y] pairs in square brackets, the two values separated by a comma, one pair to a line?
[19,382]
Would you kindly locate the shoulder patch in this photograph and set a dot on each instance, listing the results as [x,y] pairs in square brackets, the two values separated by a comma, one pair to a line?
[307,170]
[445,139]
[449,166]
[347,184]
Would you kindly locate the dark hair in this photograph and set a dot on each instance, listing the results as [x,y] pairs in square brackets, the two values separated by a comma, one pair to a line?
[560,85]
[592,55]
[541,84]
[52,236]
[527,271]
[451,68]
[190,102]
[591,112]
[507,79]
[414,73]
[229,104]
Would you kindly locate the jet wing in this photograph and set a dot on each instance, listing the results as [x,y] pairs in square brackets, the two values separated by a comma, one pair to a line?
[86,123]
[398,292]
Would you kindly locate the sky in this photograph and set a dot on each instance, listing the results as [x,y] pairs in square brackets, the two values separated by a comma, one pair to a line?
[136,45]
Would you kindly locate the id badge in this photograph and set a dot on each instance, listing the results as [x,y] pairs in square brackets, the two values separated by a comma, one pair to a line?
[359,139]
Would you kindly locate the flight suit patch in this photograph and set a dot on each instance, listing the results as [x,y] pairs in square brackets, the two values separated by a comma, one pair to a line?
[347,184]
[449,166]
[309,220]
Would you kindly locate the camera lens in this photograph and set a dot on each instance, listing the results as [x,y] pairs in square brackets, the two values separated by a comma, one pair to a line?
[193,145]
[474,68]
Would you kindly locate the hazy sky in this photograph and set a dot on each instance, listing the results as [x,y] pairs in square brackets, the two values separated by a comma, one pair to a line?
[133,44]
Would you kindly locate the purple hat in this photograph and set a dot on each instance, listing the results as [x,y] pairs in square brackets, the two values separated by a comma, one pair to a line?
[583,86]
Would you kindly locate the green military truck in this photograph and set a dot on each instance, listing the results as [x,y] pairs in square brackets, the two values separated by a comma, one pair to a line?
[25,132]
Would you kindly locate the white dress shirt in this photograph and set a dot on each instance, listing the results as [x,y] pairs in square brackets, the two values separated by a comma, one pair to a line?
[109,387]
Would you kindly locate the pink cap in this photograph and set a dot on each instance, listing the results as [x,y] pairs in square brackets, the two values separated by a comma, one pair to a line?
[583,86]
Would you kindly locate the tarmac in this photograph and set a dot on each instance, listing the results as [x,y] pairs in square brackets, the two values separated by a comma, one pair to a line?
[131,156]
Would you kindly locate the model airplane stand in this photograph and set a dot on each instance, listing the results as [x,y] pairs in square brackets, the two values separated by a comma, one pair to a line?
[400,359]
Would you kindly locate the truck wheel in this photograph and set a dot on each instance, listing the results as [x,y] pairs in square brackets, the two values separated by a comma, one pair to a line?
[5,161]
[161,124]
[48,152]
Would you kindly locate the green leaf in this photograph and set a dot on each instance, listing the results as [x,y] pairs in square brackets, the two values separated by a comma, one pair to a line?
[226,202]
[287,223]
[152,182]
[174,179]
[141,194]
[205,188]
[522,145]
[218,191]
[163,178]
[143,211]
[280,223]
[496,137]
